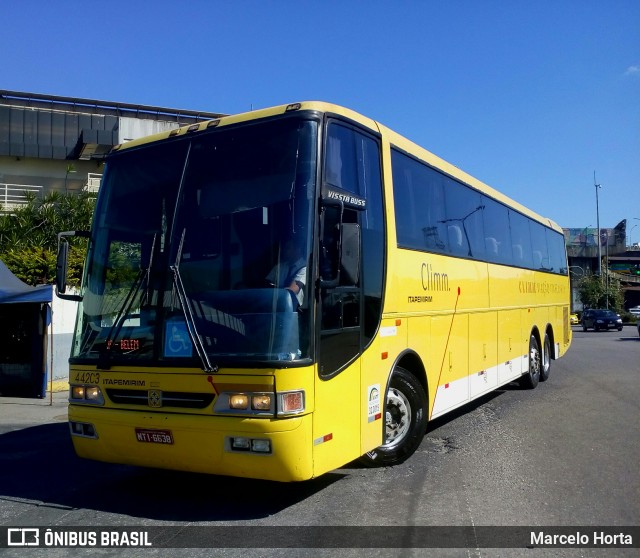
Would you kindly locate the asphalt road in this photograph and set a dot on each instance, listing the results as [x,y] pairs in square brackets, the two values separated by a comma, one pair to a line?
[564,454]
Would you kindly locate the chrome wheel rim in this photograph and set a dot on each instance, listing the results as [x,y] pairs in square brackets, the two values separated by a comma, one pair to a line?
[546,357]
[397,418]
[534,365]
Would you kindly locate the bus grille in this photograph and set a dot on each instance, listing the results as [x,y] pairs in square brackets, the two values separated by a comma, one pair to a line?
[183,400]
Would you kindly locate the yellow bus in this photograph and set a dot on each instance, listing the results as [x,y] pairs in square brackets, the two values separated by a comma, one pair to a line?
[278,293]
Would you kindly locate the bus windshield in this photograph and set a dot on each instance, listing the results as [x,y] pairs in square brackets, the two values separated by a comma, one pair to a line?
[200,250]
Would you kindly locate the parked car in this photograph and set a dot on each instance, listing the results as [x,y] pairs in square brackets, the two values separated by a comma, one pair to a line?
[635,311]
[638,324]
[573,318]
[601,319]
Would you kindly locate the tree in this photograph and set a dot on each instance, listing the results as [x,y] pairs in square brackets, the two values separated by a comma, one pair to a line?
[29,236]
[598,292]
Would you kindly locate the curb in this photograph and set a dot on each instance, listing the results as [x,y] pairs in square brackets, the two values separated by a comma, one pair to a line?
[58,385]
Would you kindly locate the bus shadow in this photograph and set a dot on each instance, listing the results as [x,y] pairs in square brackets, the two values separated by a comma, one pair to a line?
[39,464]
[451,416]
[439,422]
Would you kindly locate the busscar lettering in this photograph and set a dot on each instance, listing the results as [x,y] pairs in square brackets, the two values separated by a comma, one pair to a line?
[540,287]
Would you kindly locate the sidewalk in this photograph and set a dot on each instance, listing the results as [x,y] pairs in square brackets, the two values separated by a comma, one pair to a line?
[17,413]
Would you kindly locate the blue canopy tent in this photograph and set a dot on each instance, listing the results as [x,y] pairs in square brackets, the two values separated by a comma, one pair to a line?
[25,313]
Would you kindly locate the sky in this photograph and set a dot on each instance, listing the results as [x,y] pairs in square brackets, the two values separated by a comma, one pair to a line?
[531,97]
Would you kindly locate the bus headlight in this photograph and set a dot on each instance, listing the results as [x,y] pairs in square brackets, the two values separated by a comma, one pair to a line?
[249,403]
[91,395]
[239,401]
[261,402]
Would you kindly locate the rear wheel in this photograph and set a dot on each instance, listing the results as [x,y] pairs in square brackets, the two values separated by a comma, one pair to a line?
[545,369]
[405,416]
[532,377]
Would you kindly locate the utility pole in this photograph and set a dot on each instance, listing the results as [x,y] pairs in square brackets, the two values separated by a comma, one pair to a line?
[597,186]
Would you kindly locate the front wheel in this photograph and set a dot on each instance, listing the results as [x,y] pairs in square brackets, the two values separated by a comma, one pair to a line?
[405,421]
[532,377]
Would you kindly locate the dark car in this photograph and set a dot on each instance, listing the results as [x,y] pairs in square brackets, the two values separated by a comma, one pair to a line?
[601,319]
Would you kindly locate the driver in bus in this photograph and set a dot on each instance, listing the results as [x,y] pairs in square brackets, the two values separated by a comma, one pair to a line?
[291,272]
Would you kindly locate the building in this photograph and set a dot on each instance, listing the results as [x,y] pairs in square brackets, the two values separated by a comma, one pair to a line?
[618,260]
[57,144]
[52,143]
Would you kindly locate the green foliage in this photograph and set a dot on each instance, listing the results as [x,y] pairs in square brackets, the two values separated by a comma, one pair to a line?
[29,236]
[598,292]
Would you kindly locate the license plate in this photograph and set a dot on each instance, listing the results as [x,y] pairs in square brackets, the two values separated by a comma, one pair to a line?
[154,436]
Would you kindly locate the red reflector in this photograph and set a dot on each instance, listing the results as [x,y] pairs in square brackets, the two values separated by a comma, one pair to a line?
[398,322]
[384,355]
[378,416]
[446,386]
[327,437]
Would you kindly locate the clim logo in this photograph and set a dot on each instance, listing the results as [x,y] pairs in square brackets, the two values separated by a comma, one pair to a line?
[433,280]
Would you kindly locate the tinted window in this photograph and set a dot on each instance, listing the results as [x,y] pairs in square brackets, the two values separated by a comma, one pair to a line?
[419,205]
[341,163]
[496,229]
[520,239]
[465,229]
[436,213]
[557,251]
[352,165]
[539,247]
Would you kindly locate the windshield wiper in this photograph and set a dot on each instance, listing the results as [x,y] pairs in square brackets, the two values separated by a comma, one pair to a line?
[187,311]
[114,331]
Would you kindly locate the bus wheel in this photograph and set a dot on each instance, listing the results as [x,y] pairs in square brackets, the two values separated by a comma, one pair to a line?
[405,416]
[532,377]
[545,369]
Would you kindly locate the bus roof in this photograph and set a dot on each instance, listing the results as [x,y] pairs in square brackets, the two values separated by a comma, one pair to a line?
[389,135]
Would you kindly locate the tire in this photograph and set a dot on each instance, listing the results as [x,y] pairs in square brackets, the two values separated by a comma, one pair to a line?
[406,419]
[532,377]
[584,327]
[545,368]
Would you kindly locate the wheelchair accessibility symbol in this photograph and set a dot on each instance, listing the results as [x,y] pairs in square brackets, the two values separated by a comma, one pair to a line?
[177,342]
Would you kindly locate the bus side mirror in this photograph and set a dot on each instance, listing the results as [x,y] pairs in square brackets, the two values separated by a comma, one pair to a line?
[62,264]
[350,253]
